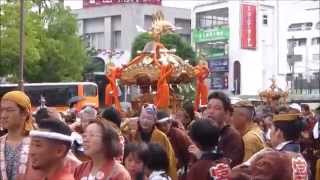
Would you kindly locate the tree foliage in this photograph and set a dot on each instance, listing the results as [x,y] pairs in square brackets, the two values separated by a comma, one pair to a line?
[170,41]
[53,51]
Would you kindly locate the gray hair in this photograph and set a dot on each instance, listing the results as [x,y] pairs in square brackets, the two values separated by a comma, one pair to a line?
[89,112]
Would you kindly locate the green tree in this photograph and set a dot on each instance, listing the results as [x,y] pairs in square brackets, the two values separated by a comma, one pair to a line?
[53,50]
[64,55]
[170,41]
[9,38]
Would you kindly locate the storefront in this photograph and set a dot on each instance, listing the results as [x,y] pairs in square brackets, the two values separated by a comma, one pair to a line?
[212,43]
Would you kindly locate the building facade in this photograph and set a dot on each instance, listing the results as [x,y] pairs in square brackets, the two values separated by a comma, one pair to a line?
[302,37]
[114,25]
[246,42]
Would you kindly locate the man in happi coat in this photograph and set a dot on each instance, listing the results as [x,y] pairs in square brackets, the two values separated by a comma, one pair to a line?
[252,135]
[211,164]
[284,160]
[178,138]
[14,146]
[50,145]
[230,142]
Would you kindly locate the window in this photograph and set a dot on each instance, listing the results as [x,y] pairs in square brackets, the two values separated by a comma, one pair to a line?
[298,42]
[307,26]
[89,90]
[185,24]
[318,25]
[107,1]
[300,26]
[147,22]
[94,40]
[205,20]
[92,1]
[302,42]
[265,20]
[315,57]
[116,40]
[54,95]
[315,41]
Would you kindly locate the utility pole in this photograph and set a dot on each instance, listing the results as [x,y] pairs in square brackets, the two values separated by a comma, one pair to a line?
[21,50]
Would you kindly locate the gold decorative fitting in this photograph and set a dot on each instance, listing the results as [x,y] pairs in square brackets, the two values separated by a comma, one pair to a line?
[273,93]
[145,64]
[160,26]
[144,69]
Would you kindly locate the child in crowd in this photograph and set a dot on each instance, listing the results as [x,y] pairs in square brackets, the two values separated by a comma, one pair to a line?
[133,160]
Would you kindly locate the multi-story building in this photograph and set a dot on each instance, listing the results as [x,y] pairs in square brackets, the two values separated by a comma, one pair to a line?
[246,42]
[107,24]
[229,34]
[303,39]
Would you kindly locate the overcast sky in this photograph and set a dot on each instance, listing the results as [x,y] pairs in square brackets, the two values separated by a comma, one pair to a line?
[77,4]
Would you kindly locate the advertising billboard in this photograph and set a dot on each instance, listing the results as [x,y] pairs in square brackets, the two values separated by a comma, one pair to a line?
[216,65]
[219,80]
[205,35]
[219,70]
[248,26]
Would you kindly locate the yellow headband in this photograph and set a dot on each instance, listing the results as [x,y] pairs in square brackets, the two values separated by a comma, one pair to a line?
[285,117]
[22,100]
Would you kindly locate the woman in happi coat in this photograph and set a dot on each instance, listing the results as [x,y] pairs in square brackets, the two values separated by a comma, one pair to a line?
[147,132]
[102,145]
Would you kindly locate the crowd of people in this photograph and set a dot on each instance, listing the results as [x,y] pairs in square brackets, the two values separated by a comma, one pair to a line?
[221,141]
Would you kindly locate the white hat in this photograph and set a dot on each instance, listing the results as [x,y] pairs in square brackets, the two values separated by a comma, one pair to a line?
[163,116]
[51,135]
[295,106]
[164,119]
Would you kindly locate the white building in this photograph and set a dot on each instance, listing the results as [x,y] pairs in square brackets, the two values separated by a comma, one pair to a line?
[114,26]
[246,46]
[303,30]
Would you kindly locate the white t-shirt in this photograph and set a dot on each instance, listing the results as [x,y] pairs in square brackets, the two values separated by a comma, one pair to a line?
[316,131]
[159,175]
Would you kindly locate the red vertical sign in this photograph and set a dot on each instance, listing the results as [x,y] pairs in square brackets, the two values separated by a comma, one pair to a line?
[248,26]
